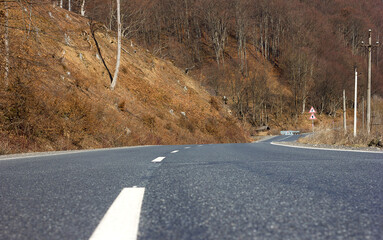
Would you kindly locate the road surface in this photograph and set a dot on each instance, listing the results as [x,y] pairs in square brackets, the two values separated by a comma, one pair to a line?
[227,191]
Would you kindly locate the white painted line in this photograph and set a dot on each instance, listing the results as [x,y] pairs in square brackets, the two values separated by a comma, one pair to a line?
[325,149]
[122,219]
[285,138]
[187,147]
[175,151]
[200,145]
[58,153]
[159,159]
[265,139]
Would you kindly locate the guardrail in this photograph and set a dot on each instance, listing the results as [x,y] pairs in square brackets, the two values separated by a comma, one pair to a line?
[290,132]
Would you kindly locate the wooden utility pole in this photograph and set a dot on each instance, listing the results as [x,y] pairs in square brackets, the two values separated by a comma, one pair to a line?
[369,84]
[369,48]
[355,101]
[363,123]
[344,112]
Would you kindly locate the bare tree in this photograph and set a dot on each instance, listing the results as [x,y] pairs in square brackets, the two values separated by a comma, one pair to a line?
[6,43]
[115,76]
[241,20]
[132,17]
[94,27]
[82,8]
[217,21]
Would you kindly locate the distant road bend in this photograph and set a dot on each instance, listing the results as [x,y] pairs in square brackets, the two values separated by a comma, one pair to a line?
[219,191]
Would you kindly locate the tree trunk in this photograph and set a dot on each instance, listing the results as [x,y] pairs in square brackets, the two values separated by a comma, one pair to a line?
[30,20]
[83,8]
[113,85]
[61,3]
[261,38]
[186,19]
[377,55]
[69,6]
[266,39]
[6,43]
[93,29]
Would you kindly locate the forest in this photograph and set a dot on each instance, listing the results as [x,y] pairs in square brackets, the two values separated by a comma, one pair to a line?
[313,45]
[268,61]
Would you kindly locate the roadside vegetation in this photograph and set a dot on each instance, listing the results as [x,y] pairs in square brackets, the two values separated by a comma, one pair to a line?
[192,71]
[56,95]
[336,135]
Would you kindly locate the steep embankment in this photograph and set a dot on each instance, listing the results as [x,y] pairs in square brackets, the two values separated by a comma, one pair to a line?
[57,94]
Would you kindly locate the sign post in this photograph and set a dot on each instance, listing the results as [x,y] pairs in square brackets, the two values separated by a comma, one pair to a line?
[312,117]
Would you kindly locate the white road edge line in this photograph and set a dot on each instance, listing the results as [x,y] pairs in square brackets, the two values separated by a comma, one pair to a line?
[285,137]
[159,159]
[175,151]
[58,153]
[325,149]
[265,139]
[187,147]
[123,217]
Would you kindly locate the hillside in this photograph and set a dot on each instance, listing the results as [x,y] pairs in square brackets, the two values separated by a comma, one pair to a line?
[56,95]
[273,59]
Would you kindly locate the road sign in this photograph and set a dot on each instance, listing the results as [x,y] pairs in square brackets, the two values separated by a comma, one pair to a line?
[312,110]
[312,117]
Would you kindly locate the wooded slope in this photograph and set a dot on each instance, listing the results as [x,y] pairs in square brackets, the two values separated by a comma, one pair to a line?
[56,95]
[313,46]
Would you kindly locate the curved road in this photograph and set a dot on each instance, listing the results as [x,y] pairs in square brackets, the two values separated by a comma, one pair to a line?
[227,191]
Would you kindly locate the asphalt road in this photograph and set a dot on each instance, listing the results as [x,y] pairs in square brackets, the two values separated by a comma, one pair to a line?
[230,191]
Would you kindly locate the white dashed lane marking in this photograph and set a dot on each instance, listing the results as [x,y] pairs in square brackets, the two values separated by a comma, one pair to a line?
[187,147]
[159,159]
[122,219]
[175,151]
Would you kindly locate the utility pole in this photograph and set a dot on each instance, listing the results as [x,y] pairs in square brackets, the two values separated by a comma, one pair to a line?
[369,48]
[355,101]
[344,112]
[369,85]
[363,123]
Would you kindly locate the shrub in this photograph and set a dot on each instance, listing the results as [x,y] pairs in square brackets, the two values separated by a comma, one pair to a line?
[187,124]
[149,121]
[214,103]
[211,126]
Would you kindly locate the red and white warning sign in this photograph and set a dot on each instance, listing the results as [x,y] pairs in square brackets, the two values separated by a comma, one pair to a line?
[312,110]
[312,117]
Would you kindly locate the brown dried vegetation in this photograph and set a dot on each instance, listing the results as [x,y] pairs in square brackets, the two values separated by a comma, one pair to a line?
[334,134]
[57,95]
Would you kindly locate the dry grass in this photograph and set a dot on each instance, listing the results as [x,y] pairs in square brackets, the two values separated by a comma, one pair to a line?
[338,137]
[324,135]
[58,97]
